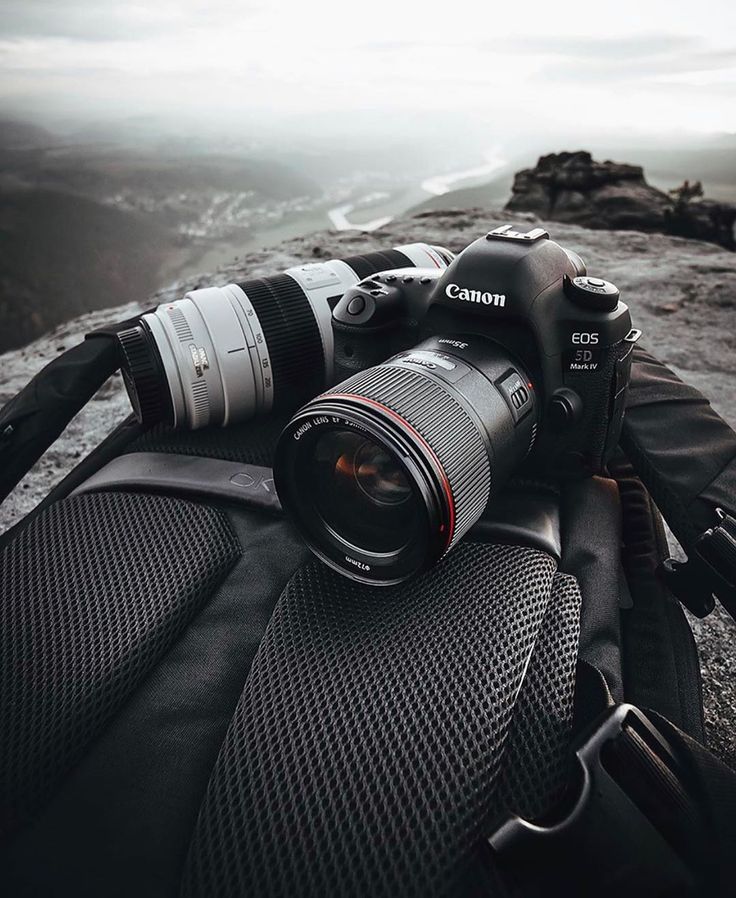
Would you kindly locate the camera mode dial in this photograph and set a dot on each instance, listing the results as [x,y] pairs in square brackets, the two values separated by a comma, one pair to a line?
[591,293]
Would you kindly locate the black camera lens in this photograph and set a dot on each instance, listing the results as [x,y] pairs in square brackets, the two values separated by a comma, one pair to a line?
[387,471]
[361,491]
[379,476]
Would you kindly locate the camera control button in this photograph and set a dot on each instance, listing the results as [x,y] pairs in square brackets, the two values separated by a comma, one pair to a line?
[517,393]
[565,408]
[593,294]
[356,305]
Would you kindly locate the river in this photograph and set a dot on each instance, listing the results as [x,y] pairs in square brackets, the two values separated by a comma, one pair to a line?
[435,185]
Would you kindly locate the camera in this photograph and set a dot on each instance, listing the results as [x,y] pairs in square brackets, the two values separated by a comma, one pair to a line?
[445,375]
[221,355]
[510,359]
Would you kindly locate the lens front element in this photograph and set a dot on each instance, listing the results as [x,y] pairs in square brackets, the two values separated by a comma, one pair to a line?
[379,476]
[361,492]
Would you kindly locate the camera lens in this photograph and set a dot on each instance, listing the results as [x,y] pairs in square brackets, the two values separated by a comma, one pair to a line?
[379,476]
[360,490]
[224,354]
[387,471]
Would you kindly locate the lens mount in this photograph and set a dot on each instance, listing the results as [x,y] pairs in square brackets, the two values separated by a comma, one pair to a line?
[143,375]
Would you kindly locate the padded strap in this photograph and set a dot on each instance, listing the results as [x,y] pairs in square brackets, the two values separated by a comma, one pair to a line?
[683,451]
[35,418]
[368,743]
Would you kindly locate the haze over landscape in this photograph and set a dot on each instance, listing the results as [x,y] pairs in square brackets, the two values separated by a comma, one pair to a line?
[140,144]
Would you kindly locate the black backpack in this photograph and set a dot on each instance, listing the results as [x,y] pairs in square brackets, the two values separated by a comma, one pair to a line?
[190,704]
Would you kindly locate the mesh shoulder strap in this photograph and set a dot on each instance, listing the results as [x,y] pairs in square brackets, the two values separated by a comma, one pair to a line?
[365,755]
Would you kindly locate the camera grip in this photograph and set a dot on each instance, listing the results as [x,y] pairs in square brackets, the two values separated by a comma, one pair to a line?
[358,348]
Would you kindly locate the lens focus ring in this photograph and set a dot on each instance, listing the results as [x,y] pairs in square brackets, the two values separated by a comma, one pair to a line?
[292,336]
[444,425]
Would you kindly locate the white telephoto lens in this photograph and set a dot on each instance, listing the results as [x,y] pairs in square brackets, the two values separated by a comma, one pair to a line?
[230,353]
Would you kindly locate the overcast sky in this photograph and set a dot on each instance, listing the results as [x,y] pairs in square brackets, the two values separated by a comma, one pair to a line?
[638,66]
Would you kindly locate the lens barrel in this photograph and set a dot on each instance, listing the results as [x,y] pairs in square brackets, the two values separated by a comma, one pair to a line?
[221,355]
[450,430]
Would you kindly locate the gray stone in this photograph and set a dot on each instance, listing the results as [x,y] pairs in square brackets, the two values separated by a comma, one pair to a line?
[574,188]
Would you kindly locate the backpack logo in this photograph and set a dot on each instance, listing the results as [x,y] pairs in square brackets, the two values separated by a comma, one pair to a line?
[454,291]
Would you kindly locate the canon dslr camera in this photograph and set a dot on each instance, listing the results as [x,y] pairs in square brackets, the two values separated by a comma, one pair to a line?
[452,374]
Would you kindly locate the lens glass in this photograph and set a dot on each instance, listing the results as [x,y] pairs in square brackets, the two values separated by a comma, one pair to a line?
[360,491]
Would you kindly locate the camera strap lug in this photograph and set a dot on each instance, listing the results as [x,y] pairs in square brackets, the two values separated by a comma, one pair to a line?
[710,570]
[615,832]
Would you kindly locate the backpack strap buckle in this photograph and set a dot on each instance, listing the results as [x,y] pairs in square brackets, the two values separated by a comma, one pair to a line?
[710,569]
[621,828]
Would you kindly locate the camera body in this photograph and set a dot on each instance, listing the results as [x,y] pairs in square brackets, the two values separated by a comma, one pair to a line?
[444,376]
[570,332]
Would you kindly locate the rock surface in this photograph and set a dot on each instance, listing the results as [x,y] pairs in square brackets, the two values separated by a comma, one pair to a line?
[682,294]
[574,188]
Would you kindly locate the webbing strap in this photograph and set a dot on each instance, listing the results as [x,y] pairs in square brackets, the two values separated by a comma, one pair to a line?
[366,752]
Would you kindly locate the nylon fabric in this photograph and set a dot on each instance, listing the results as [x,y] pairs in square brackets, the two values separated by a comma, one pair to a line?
[33,419]
[94,591]
[252,443]
[535,764]
[681,449]
[364,752]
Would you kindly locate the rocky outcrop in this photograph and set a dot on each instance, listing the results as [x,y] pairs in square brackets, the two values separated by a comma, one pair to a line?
[573,187]
[703,220]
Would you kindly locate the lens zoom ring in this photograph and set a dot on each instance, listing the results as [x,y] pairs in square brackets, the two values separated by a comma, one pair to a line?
[292,336]
[435,414]
[370,263]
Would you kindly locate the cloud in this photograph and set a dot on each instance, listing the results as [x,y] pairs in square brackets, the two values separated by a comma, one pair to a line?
[609,47]
[95,20]
[513,66]
[628,59]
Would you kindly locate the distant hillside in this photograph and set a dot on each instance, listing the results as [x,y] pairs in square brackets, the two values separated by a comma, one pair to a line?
[489,195]
[17,135]
[66,255]
[101,172]
[85,227]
